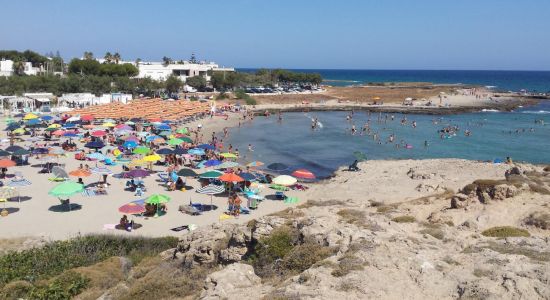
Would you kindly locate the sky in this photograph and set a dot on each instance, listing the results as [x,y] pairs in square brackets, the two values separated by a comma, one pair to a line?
[343,34]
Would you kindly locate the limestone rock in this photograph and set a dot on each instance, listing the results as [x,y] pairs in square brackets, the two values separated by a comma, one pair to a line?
[236,281]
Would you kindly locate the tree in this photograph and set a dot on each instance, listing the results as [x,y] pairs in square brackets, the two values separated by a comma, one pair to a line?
[116,57]
[197,82]
[18,67]
[88,55]
[173,84]
[193,59]
[138,60]
[108,57]
[166,60]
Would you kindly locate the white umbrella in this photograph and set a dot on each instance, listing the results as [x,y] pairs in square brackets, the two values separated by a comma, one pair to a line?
[211,190]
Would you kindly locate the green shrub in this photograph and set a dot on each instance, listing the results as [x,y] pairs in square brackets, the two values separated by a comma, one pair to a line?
[55,257]
[404,219]
[302,257]
[222,96]
[505,231]
[241,94]
[65,286]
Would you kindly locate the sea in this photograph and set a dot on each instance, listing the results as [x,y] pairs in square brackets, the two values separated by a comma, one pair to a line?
[531,81]
[523,135]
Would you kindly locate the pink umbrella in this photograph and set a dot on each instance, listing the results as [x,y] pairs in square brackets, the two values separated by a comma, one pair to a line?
[132,138]
[99,133]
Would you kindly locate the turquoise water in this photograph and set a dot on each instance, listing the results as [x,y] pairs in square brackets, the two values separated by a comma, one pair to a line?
[538,81]
[493,136]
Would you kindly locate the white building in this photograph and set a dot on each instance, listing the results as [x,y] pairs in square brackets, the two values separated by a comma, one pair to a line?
[6,68]
[87,99]
[182,70]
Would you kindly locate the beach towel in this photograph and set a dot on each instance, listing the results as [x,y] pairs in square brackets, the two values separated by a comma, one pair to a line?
[290,200]
[88,193]
[180,228]
[225,217]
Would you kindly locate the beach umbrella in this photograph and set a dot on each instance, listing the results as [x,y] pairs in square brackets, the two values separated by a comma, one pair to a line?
[15,183]
[32,122]
[80,173]
[248,176]
[206,147]
[30,116]
[212,163]
[123,127]
[54,126]
[13,148]
[284,180]
[8,192]
[175,142]
[131,209]
[165,151]
[73,119]
[96,156]
[69,125]
[211,175]
[20,152]
[227,165]
[196,151]
[163,127]
[141,150]
[9,120]
[40,151]
[94,145]
[87,118]
[12,126]
[58,132]
[66,189]
[255,164]
[70,134]
[101,170]
[186,139]
[7,163]
[129,123]
[18,131]
[152,158]
[157,199]
[180,151]
[182,131]
[211,190]
[132,138]
[46,118]
[277,167]
[230,177]
[108,124]
[165,133]
[129,144]
[4,153]
[136,173]
[303,174]
[98,133]
[60,173]
[228,155]
[187,173]
[152,138]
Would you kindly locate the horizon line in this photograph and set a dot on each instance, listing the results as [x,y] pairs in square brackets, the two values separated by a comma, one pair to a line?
[360,69]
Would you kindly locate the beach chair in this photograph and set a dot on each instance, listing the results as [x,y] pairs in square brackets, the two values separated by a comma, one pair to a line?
[280,195]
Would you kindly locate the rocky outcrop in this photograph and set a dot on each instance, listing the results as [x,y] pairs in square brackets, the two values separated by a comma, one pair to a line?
[236,281]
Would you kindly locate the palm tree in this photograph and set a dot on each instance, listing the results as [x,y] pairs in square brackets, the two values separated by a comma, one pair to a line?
[108,57]
[138,60]
[88,55]
[166,60]
[117,57]
[193,59]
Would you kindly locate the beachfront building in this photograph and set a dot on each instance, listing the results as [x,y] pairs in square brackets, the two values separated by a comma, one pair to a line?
[79,100]
[182,70]
[6,68]
[29,102]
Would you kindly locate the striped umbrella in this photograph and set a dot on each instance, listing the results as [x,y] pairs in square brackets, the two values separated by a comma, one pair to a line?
[211,190]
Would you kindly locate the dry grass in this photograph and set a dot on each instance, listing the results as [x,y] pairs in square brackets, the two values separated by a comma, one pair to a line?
[449,260]
[351,216]
[509,249]
[404,219]
[435,232]
[347,264]
[482,273]
[538,219]
[289,213]
[505,231]
[312,203]
[383,209]
[387,94]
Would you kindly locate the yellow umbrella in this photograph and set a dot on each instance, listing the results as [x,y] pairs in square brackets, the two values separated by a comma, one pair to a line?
[18,131]
[30,116]
[108,124]
[54,126]
[228,155]
[137,162]
[151,158]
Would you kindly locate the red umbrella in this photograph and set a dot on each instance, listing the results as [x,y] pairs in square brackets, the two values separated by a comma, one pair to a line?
[303,174]
[58,132]
[6,163]
[86,118]
[131,209]
[155,119]
[99,133]
[230,177]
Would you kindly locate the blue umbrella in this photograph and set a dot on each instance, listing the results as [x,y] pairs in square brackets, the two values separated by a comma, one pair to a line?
[196,151]
[211,163]
[163,127]
[12,126]
[69,125]
[180,151]
[96,156]
[129,144]
[152,138]
[164,151]
[32,122]
[206,147]
[248,176]
[46,118]
[70,134]
[165,133]
[40,151]
[94,145]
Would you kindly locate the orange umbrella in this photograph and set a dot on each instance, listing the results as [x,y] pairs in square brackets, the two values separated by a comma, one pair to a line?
[6,163]
[230,177]
[80,173]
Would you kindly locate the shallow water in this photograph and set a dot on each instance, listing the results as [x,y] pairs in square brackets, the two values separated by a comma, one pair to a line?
[322,151]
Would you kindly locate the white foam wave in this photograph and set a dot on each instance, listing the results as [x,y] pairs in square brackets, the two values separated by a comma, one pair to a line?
[535,112]
[490,110]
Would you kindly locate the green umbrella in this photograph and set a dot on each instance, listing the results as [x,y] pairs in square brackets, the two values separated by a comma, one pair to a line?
[175,142]
[66,189]
[157,199]
[186,139]
[142,150]
[211,174]
[182,131]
